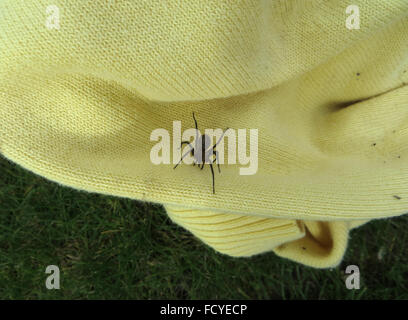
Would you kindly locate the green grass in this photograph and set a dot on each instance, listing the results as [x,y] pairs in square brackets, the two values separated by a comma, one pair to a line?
[114,248]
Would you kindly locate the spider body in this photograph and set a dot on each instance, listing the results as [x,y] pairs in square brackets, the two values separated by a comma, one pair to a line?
[203,151]
[203,144]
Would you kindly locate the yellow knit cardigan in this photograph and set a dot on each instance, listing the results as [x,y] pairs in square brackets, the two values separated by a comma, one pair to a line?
[84,83]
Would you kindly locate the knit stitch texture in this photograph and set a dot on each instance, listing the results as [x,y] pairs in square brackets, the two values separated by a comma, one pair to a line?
[78,105]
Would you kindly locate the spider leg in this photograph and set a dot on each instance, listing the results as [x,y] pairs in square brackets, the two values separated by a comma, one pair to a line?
[189,143]
[202,166]
[184,155]
[195,121]
[215,152]
[219,140]
[216,160]
[183,142]
[212,173]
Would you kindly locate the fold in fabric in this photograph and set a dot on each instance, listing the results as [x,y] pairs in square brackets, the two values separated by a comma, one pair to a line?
[314,243]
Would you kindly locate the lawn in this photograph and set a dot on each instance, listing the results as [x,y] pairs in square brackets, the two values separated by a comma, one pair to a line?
[112,248]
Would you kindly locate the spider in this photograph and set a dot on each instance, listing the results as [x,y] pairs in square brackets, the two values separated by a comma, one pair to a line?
[205,151]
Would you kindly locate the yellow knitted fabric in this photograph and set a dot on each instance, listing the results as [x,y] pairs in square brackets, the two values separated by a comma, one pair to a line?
[78,104]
